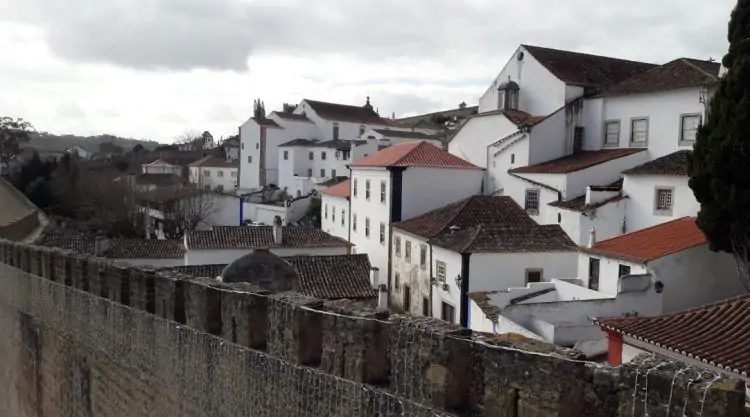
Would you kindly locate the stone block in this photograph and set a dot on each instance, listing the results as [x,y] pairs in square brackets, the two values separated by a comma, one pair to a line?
[142,289]
[35,261]
[61,264]
[295,328]
[96,274]
[244,311]
[203,305]
[165,294]
[79,270]
[46,259]
[116,283]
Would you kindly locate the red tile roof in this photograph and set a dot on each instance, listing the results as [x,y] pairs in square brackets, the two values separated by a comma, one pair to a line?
[339,190]
[680,73]
[346,112]
[652,243]
[577,161]
[417,154]
[715,333]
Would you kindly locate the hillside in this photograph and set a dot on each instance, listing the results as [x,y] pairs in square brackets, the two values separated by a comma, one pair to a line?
[51,142]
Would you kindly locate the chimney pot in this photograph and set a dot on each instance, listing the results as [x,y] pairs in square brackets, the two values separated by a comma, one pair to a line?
[277,231]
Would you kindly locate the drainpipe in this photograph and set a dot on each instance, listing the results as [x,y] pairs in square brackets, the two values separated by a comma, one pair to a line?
[430,295]
[464,312]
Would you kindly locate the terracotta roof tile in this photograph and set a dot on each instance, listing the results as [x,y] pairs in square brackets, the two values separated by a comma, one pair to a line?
[502,239]
[145,249]
[586,70]
[466,213]
[253,237]
[339,190]
[680,73]
[74,240]
[652,243]
[577,161]
[521,118]
[345,112]
[675,163]
[418,154]
[715,333]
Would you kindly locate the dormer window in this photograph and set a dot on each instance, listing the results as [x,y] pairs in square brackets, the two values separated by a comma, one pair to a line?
[507,96]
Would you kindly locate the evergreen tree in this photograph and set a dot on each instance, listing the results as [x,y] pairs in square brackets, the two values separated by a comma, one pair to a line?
[720,165]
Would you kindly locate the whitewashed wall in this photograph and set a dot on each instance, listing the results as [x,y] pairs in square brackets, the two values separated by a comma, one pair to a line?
[607,220]
[426,189]
[609,277]
[641,190]
[471,141]
[513,156]
[337,225]
[373,209]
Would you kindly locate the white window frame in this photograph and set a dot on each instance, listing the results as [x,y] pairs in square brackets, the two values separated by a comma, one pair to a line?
[633,121]
[382,233]
[367,190]
[615,134]
[343,216]
[694,131]
[367,227]
[440,271]
[325,211]
[526,201]
[660,210]
[423,256]
[397,246]
[407,251]
[354,222]
[383,188]
[533,270]
[354,188]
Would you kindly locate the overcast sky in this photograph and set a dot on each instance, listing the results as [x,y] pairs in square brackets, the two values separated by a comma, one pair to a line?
[155,68]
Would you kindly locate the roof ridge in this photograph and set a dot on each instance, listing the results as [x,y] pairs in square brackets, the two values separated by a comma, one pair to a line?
[701,70]
[526,45]
[454,216]
[334,104]
[681,312]
[645,228]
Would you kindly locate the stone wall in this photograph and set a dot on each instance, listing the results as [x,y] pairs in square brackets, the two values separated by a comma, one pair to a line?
[85,337]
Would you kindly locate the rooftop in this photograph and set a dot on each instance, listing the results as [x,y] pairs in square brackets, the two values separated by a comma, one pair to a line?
[292,116]
[579,203]
[81,242]
[503,239]
[586,70]
[169,194]
[407,134]
[652,243]
[680,73]
[460,112]
[576,161]
[466,213]
[338,144]
[213,161]
[417,154]
[715,333]
[339,190]
[675,163]
[253,237]
[345,112]
[265,122]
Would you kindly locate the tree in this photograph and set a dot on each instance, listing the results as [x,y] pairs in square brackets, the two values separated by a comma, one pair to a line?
[185,209]
[13,133]
[719,175]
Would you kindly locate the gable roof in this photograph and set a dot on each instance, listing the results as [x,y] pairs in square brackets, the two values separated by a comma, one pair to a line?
[491,238]
[292,116]
[466,213]
[339,190]
[417,154]
[576,161]
[716,333]
[345,112]
[264,121]
[65,239]
[675,163]
[408,134]
[586,70]
[652,243]
[145,249]
[213,161]
[680,73]
[254,237]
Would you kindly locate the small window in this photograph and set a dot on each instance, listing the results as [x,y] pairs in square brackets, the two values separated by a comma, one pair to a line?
[249,159]
[367,190]
[623,270]
[286,155]
[397,246]
[664,199]
[382,233]
[531,203]
[322,156]
[309,172]
[257,146]
[559,218]
[219,188]
[361,130]
[354,222]
[325,210]
[612,133]
[234,174]
[512,158]
[426,306]
[333,215]
[343,216]
[221,173]
[423,256]
[243,145]
[299,193]
[448,313]
[407,298]
[407,251]
[206,173]
[397,280]
[354,187]
[689,127]
[335,131]
[382,191]
[440,271]
[533,275]
[323,173]
[639,131]
[367,227]
[333,173]
[311,156]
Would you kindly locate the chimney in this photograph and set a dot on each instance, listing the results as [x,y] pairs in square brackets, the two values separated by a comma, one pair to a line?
[374,277]
[383,298]
[277,229]
[101,245]
[592,237]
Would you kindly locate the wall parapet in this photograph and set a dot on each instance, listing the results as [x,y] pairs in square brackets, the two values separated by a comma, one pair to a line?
[425,362]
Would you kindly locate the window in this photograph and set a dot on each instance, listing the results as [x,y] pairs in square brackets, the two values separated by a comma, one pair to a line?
[311,156]
[559,217]
[367,227]
[221,173]
[333,173]
[639,131]
[243,145]
[382,191]
[354,187]
[440,271]
[367,190]
[512,158]
[234,174]
[623,270]
[397,246]
[249,159]
[286,155]
[325,211]
[257,146]
[206,173]
[345,155]
[407,298]
[594,274]
[219,188]
[354,222]
[531,203]
[448,313]
[335,131]
[533,275]
[333,215]
[689,127]
[663,200]
[397,280]
[361,130]
[322,156]
[407,251]
[423,256]
[299,193]
[382,233]
[343,216]
[426,306]
[612,133]
[323,172]
[309,172]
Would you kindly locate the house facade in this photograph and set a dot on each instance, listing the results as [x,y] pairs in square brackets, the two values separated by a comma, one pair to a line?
[214,173]
[334,211]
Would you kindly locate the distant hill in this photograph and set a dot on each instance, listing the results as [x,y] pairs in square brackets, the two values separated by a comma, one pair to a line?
[50,142]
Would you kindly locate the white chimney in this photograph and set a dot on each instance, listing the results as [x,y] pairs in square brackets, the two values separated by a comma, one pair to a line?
[375,277]
[277,237]
[101,245]
[592,237]
[383,298]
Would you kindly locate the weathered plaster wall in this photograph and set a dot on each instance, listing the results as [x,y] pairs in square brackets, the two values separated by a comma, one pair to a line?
[85,337]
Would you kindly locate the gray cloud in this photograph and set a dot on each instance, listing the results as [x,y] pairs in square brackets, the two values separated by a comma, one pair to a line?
[222,34]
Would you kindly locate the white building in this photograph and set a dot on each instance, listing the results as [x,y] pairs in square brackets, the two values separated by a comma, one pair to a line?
[78,151]
[222,245]
[231,148]
[400,182]
[160,166]
[334,211]
[477,244]
[214,173]
[260,137]
[391,136]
